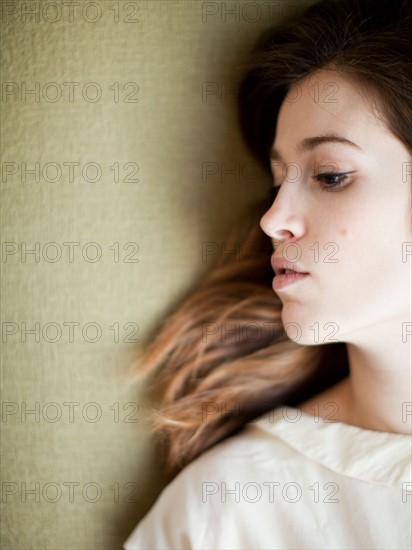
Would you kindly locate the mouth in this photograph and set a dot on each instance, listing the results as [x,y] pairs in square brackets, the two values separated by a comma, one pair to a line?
[282,267]
[286,272]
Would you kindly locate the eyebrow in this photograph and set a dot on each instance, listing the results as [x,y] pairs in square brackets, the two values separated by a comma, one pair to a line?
[309,143]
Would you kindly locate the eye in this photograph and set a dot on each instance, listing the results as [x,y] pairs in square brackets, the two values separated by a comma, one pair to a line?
[332,181]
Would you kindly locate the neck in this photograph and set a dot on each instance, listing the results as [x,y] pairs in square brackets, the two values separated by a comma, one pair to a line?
[377,394]
[378,391]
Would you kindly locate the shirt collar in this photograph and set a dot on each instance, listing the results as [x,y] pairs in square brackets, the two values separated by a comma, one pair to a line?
[378,457]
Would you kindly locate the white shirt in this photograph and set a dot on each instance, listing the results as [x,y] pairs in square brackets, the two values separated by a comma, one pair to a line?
[289,480]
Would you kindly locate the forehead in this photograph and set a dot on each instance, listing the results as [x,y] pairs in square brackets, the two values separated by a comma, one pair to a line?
[326,102]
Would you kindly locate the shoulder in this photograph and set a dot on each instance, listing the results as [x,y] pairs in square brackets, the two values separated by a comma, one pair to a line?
[191,502]
[198,496]
[276,481]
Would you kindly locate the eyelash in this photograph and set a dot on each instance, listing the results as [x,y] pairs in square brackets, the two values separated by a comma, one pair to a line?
[335,186]
[342,176]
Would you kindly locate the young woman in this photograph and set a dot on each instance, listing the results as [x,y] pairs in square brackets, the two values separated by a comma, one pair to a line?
[286,407]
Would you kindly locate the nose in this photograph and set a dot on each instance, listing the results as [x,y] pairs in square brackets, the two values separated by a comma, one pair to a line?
[284,219]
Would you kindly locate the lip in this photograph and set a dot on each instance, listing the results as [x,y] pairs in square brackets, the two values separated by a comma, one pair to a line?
[279,265]
[283,279]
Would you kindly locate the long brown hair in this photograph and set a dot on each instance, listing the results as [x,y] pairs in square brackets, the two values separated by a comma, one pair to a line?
[223,357]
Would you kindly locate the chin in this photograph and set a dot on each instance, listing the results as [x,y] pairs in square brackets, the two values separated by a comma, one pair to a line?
[310,330]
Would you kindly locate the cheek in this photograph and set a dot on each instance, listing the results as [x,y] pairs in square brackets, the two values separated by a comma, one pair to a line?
[345,232]
[370,248]
[361,233]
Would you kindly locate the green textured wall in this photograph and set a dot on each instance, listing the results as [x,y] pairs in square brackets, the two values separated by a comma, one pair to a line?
[146,83]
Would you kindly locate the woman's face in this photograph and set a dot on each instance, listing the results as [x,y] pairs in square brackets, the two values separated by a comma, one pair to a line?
[353,239]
